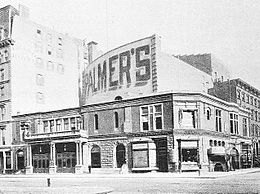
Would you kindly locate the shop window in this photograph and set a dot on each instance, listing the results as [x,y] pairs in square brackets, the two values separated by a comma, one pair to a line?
[218,120]
[233,123]
[245,128]
[189,155]
[96,122]
[151,117]
[58,125]
[95,157]
[35,164]
[66,124]
[72,124]
[116,120]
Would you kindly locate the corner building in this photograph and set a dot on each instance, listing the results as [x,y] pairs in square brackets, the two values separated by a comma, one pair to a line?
[142,110]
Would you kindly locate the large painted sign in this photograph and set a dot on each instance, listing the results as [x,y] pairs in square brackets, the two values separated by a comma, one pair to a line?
[123,70]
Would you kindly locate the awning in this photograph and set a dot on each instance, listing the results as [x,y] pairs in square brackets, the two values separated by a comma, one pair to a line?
[220,151]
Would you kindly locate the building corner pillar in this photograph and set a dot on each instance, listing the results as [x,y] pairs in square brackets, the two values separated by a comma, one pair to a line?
[79,167]
[29,167]
[52,166]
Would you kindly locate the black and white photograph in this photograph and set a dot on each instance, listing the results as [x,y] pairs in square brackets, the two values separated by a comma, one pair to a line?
[129,96]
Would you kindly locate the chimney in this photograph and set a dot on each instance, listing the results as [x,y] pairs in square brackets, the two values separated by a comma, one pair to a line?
[92,48]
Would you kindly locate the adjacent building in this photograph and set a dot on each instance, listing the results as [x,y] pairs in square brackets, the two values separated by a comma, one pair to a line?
[246,96]
[39,70]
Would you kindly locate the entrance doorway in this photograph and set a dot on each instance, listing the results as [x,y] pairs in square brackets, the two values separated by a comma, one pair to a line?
[66,157]
[20,160]
[41,157]
[120,155]
[95,157]
[161,154]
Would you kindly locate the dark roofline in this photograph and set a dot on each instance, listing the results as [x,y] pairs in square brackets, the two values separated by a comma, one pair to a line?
[237,80]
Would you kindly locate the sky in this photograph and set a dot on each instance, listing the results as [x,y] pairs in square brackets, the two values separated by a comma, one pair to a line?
[230,29]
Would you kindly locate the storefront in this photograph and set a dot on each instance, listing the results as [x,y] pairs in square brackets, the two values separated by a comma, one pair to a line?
[217,159]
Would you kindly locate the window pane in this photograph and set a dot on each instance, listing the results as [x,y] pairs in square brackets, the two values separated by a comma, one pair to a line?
[144,110]
[158,122]
[158,108]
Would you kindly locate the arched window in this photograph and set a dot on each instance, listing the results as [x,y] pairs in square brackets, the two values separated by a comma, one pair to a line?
[208,113]
[95,157]
[223,143]
[118,98]
[211,142]
[215,143]
[116,120]
[219,143]
[96,122]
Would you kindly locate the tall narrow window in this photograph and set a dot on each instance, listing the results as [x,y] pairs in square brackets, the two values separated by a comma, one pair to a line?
[73,124]
[2,91]
[208,113]
[2,74]
[158,116]
[244,127]
[2,116]
[51,125]
[39,80]
[96,122]
[66,124]
[233,123]
[218,120]
[46,126]
[144,118]
[116,120]
[58,125]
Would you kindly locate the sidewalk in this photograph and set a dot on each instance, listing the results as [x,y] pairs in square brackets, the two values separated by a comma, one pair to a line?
[139,175]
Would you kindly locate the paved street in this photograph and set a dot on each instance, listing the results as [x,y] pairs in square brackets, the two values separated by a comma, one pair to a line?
[242,183]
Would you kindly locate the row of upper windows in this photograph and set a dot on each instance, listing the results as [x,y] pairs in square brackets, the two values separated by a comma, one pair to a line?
[50,66]
[151,118]
[59,124]
[49,51]
[255,116]
[49,37]
[248,99]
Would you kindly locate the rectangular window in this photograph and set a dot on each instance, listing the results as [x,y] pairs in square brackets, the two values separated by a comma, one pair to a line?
[38,47]
[151,118]
[60,69]
[40,98]
[59,53]
[116,119]
[8,160]
[247,98]
[2,74]
[255,101]
[2,91]
[50,66]
[256,115]
[46,126]
[39,80]
[218,120]
[252,114]
[39,63]
[58,125]
[245,127]
[3,111]
[243,96]
[51,125]
[66,124]
[73,124]
[188,119]
[60,41]
[239,94]
[233,123]
[251,100]
[96,122]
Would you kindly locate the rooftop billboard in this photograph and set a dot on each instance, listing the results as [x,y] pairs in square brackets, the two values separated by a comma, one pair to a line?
[125,71]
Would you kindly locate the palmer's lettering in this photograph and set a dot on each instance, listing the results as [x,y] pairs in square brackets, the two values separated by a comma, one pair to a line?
[143,63]
[122,69]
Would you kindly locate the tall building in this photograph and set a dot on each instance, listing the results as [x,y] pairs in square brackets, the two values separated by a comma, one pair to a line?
[246,96]
[39,70]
